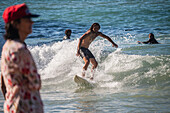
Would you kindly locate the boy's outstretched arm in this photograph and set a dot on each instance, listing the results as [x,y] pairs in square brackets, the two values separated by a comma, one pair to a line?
[139,42]
[109,39]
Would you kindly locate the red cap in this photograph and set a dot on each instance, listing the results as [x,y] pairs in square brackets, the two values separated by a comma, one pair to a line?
[16,12]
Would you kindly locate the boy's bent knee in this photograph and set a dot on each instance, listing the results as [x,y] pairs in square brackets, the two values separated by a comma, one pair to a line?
[95,65]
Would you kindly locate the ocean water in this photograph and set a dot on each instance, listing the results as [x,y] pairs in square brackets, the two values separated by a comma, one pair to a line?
[131,78]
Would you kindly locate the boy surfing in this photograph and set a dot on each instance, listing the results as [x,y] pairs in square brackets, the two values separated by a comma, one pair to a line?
[84,43]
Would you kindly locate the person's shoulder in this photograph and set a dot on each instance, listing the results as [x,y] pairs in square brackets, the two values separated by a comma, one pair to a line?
[88,32]
[13,44]
[99,33]
[15,47]
[19,45]
[154,41]
[65,37]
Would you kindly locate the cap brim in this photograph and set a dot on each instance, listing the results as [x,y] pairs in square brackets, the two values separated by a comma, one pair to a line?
[32,16]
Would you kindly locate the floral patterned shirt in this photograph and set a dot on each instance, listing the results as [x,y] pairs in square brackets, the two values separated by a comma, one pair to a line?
[21,79]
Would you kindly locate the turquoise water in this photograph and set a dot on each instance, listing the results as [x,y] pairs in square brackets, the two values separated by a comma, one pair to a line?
[131,78]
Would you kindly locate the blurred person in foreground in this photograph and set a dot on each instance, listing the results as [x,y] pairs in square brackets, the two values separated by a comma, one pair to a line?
[20,81]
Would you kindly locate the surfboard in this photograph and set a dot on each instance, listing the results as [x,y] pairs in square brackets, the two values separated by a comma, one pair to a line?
[83,82]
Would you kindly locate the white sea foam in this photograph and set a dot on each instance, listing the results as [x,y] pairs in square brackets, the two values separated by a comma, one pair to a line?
[58,61]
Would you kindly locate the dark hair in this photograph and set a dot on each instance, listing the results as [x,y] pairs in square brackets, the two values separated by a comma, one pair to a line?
[94,24]
[151,35]
[11,31]
[67,30]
